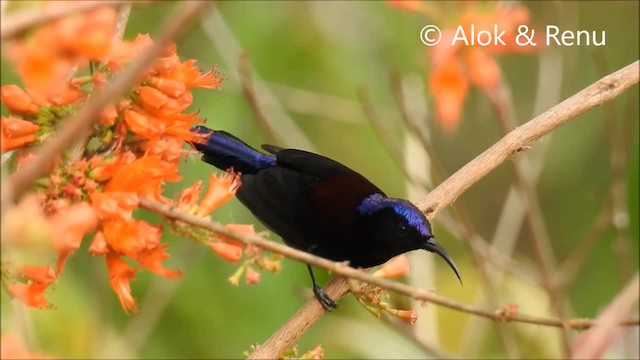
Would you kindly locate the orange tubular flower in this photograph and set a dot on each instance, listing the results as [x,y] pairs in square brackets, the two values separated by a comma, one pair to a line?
[188,198]
[449,86]
[119,275]
[252,276]
[398,266]
[40,277]
[114,205]
[70,227]
[17,100]
[123,236]
[246,229]
[98,244]
[144,176]
[229,252]
[16,132]
[152,258]
[220,191]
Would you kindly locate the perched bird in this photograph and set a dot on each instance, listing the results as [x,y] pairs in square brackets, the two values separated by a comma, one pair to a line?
[320,206]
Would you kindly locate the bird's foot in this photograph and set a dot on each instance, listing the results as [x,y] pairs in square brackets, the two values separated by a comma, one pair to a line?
[324,299]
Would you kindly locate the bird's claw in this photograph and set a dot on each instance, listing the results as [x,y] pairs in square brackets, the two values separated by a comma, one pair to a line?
[324,299]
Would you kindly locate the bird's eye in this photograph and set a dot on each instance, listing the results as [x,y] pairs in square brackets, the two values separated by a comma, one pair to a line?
[402,230]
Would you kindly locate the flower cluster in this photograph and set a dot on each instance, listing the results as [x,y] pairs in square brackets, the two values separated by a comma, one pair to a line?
[376,299]
[453,68]
[135,147]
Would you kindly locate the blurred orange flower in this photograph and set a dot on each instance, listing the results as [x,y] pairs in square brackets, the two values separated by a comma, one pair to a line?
[16,133]
[11,347]
[398,266]
[229,252]
[454,64]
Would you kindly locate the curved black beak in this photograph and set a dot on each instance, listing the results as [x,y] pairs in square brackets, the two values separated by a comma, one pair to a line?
[433,246]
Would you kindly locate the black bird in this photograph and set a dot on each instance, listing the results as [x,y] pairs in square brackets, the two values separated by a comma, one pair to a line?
[320,206]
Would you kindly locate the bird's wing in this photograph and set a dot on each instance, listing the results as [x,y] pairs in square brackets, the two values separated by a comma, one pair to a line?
[316,165]
[281,199]
[273,149]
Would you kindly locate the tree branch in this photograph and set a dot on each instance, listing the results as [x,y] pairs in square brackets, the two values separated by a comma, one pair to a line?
[594,95]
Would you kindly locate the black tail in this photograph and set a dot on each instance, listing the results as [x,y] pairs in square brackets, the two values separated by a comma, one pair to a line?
[226,151]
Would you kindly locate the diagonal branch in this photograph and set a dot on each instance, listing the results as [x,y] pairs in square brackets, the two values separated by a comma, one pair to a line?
[596,94]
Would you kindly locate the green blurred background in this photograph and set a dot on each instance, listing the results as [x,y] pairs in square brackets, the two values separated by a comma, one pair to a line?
[335,48]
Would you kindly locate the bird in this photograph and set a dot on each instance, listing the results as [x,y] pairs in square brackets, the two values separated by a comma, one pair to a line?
[319,205]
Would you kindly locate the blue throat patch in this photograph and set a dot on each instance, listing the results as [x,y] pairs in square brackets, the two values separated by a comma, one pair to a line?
[412,214]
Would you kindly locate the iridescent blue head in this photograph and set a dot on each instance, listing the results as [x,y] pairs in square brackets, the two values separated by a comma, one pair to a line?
[402,225]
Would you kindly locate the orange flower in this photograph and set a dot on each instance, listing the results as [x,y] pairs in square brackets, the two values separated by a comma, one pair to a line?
[123,235]
[143,125]
[17,100]
[229,252]
[91,35]
[398,266]
[124,51]
[40,277]
[69,228]
[449,86]
[152,258]
[246,229]
[119,275]
[188,198]
[411,5]
[408,316]
[16,132]
[220,191]
[37,273]
[144,176]
[482,68]
[252,276]
[170,87]
[168,148]
[114,204]
[108,115]
[98,244]
[191,76]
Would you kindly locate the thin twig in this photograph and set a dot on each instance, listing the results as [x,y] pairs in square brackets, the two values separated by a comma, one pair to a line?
[248,87]
[223,40]
[15,23]
[446,193]
[469,233]
[572,265]
[389,145]
[514,208]
[406,330]
[77,128]
[541,241]
[596,94]
[345,271]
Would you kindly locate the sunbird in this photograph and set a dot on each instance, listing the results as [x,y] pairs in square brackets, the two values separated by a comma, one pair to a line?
[320,206]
